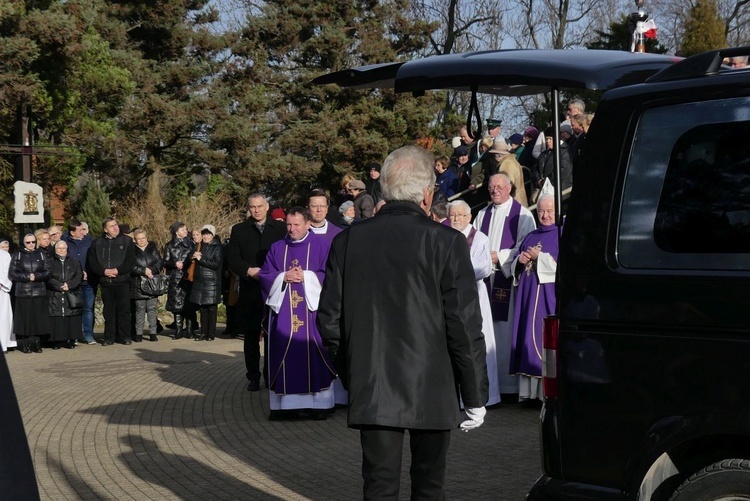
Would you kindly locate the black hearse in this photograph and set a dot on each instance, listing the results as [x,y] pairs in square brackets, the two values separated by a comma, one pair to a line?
[646,390]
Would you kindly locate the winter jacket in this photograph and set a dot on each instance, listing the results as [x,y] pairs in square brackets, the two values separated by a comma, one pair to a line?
[546,168]
[108,253]
[25,263]
[207,284]
[63,271]
[144,258]
[178,250]
[79,249]
[364,207]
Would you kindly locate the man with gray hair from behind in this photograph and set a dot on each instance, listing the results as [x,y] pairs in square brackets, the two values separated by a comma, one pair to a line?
[399,315]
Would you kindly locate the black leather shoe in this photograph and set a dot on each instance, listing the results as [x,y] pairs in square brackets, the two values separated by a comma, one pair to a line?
[127,341]
[253,386]
[153,337]
[107,343]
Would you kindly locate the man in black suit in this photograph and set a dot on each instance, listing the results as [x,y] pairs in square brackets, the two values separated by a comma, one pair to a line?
[248,245]
[399,314]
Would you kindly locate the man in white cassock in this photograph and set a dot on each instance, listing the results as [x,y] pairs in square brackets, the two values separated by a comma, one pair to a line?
[459,215]
[506,222]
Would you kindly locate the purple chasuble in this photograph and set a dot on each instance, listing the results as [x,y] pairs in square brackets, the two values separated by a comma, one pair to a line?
[501,285]
[534,301]
[297,361]
[331,231]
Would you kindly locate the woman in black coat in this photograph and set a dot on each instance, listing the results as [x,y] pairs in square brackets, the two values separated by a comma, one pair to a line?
[29,269]
[65,278]
[148,264]
[206,291]
[177,256]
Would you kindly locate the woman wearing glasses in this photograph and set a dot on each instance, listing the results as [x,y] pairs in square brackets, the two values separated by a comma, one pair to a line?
[30,270]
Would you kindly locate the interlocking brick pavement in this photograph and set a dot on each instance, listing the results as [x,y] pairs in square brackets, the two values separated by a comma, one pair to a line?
[172,420]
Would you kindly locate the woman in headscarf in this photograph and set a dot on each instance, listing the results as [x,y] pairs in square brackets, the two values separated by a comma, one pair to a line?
[65,278]
[30,270]
[177,255]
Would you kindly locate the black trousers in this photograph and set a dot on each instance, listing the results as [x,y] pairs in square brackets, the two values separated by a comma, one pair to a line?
[208,320]
[381,462]
[250,318]
[116,302]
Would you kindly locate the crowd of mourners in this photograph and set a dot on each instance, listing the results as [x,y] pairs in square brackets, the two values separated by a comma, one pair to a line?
[49,286]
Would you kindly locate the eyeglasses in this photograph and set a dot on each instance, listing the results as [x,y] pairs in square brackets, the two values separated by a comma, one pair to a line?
[551,212]
[317,206]
[499,187]
[458,215]
[30,241]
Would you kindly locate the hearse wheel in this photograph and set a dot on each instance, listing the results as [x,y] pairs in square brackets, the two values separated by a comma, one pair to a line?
[726,480]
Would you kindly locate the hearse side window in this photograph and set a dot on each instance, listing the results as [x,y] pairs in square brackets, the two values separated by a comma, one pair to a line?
[686,202]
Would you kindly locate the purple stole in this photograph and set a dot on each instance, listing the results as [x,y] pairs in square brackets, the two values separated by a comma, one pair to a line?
[470,238]
[500,289]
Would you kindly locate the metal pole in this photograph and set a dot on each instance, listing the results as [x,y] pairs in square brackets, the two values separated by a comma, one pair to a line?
[556,154]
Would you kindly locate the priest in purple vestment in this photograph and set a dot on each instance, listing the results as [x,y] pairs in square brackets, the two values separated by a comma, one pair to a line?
[535,267]
[300,372]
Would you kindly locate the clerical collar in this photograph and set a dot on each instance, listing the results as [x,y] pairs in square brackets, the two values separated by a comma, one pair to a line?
[504,204]
[467,230]
[320,230]
[300,240]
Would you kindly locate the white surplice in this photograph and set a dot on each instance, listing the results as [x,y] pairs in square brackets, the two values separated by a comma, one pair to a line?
[324,399]
[7,336]
[504,329]
[481,260]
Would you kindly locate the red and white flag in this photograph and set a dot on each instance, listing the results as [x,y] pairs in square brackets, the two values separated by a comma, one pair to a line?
[648,28]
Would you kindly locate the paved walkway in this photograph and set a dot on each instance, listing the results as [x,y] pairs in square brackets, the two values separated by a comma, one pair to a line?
[172,420]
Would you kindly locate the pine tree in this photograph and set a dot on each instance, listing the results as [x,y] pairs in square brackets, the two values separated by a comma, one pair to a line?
[302,135]
[93,205]
[704,29]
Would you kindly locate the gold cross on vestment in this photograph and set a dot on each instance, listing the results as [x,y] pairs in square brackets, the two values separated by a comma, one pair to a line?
[296,299]
[296,323]
[500,295]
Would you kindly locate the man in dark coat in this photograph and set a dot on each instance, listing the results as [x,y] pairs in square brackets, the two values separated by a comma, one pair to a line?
[111,258]
[406,330]
[248,245]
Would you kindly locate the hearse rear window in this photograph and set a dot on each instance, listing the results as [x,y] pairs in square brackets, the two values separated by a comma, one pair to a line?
[686,203]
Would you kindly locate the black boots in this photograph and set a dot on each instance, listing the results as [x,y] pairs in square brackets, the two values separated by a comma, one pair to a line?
[190,328]
[153,337]
[178,326]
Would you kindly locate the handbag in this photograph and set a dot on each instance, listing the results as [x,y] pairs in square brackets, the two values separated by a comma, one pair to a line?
[74,299]
[154,286]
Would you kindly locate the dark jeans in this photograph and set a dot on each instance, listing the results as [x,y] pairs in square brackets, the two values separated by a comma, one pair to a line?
[116,301]
[208,320]
[88,294]
[381,462]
